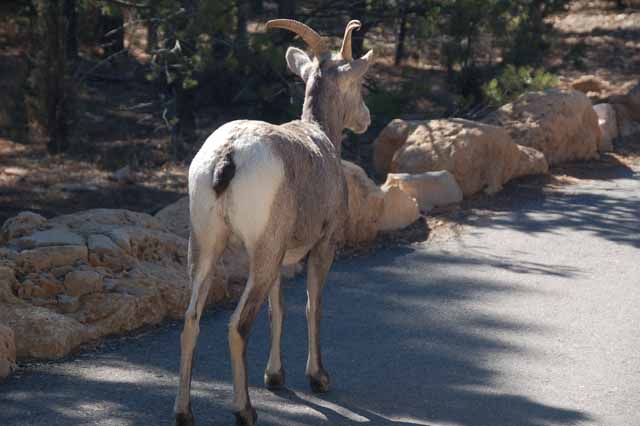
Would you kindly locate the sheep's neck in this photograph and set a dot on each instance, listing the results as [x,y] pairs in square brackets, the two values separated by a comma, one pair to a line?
[325,110]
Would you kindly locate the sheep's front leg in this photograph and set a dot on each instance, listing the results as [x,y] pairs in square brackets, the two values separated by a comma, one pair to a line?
[274,373]
[265,270]
[202,261]
[320,260]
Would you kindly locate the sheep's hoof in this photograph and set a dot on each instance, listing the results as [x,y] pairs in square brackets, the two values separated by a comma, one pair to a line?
[246,417]
[319,382]
[185,419]
[274,381]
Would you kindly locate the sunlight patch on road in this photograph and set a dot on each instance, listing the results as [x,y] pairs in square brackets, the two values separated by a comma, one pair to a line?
[345,412]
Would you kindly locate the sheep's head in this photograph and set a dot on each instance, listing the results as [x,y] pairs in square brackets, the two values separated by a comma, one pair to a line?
[335,79]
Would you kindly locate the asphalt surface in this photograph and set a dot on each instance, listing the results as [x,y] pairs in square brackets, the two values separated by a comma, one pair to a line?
[530,317]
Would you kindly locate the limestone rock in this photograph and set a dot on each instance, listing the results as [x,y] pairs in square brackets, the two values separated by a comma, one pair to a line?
[42,333]
[366,205]
[560,124]
[68,294]
[43,258]
[530,162]
[49,237]
[430,189]
[392,137]
[79,283]
[103,251]
[7,283]
[589,83]
[627,108]
[480,156]
[175,217]
[67,304]
[7,351]
[20,225]
[627,126]
[400,209]
[630,101]
[608,126]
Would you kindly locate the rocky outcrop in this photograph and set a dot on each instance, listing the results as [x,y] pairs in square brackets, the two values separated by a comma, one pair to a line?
[627,108]
[79,277]
[429,189]
[7,351]
[608,125]
[400,209]
[480,156]
[589,83]
[366,205]
[392,137]
[560,124]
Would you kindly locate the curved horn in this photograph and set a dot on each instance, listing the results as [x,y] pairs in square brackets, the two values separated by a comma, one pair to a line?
[345,51]
[313,39]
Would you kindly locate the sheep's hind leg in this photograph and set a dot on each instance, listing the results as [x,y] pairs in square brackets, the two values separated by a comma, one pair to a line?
[274,373]
[265,270]
[202,261]
[320,260]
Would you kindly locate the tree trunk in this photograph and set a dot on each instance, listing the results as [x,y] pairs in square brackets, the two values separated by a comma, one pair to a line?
[152,29]
[71,36]
[402,32]
[241,36]
[185,97]
[186,127]
[49,87]
[257,8]
[112,41]
[287,9]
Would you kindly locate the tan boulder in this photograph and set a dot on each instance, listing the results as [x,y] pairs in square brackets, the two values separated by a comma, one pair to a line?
[20,225]
[49,237]
[43,258]
[366,205]
[530,162]
[560,124]
[114,313]
[630,101]
[42,333]
[589,83]
[79,283]
[7,351]
[392,137]
[7,283]
[627,109]
[608,126]
[57,297]
[430,189]
[400,209]
[175,217]
[480,156]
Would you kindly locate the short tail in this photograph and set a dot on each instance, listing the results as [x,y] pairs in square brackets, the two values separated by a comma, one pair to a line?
[223,173]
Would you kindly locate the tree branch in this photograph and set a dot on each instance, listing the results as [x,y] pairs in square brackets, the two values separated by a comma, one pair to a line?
[126,3]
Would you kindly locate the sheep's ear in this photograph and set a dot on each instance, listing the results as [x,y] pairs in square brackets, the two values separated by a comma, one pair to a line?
[357,68]
[299,62]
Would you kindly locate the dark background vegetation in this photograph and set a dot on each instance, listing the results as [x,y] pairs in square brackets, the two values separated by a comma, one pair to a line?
[91,86]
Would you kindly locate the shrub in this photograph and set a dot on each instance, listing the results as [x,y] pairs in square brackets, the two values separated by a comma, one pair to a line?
[512,82]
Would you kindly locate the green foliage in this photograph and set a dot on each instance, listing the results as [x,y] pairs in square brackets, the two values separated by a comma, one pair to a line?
[480,33]
[513,81]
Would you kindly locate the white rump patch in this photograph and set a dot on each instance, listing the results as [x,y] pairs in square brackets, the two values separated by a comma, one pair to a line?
[259,174]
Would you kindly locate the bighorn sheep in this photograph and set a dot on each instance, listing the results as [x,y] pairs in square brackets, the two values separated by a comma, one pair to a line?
[281,191]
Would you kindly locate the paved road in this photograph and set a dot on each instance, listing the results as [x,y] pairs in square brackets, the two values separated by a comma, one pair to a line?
[530,318]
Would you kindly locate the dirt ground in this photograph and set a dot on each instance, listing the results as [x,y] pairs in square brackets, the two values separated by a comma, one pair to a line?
[122,127]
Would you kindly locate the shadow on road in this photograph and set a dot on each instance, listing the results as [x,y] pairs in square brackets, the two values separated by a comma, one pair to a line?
[596,205]
[396,344]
